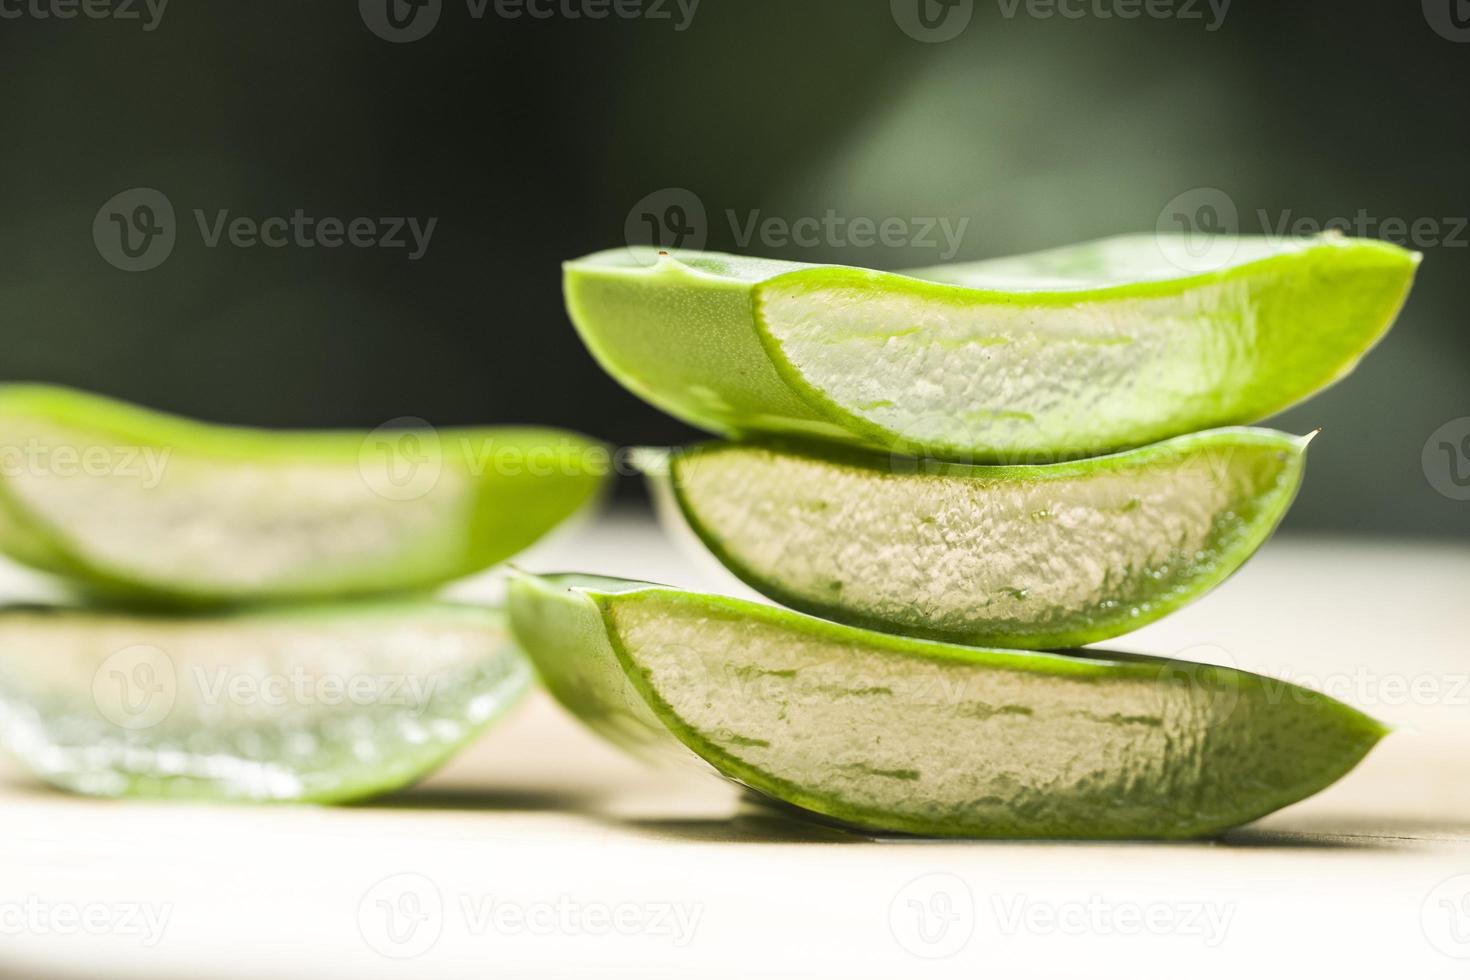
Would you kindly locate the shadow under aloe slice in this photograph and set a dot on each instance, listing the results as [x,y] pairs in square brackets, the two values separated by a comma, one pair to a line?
[897,734]
[326,703]
[154,507]
[1061,354]
[1036,557]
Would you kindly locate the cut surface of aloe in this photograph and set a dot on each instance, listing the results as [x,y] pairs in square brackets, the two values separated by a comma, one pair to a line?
[1046,556]
[319,703]
[130,501]
[899,734]
[1061,354]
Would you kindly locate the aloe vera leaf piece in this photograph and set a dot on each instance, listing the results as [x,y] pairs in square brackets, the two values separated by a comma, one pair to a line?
[1062,354]
[1037,557]
[316,703]
[898,734]
[159,508]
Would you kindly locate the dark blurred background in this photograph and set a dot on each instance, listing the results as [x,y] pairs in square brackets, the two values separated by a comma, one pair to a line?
[531,139]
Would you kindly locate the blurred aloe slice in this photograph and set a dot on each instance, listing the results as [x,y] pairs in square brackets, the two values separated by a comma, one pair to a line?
[151,506]
[1015,556]
[1061,354]
[319,703]
[898,734]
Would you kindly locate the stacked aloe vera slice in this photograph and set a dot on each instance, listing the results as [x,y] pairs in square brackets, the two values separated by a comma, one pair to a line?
[250,613]
[948,473]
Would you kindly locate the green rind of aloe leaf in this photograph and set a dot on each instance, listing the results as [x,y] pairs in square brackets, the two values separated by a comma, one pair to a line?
[895,734]
[152,508]
[1062,354]
[1034,557]
[297,703]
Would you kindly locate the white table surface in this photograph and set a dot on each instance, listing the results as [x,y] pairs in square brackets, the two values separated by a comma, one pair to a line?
[542,852]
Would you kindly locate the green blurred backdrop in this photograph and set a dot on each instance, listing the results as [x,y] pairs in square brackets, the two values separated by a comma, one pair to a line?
[530,140]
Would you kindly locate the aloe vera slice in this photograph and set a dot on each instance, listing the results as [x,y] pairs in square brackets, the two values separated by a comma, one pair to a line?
[320,703]
[1048,556]
[899,734]
[152,506]
[1060,354]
